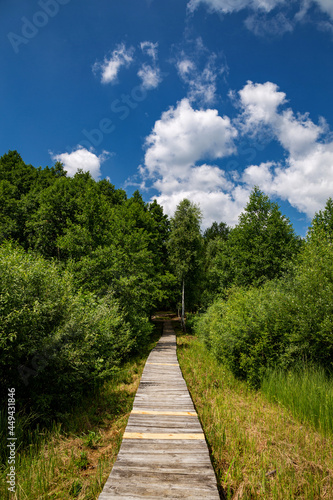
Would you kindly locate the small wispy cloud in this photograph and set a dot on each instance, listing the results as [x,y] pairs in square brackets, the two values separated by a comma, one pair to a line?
[227,6]
[272,17]
[199,70]
[277,25]
[326,6]
[150,76]
[110,67]
[150,48]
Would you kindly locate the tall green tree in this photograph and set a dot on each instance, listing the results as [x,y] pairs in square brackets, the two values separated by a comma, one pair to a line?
[216,230]
[214,241]
[185,244]
[261,246]
[323,221]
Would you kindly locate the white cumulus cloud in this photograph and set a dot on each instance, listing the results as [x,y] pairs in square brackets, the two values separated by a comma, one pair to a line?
[82,159]
[175,149]
[216,205]
[305,176]
[260,103]
[186,142]
[110,67]
[183,136]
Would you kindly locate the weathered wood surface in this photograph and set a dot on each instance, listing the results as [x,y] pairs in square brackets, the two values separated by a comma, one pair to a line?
[164,452]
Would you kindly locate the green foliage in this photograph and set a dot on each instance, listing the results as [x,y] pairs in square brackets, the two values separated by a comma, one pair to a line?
[17,173]
[247,332]
[56,342]
[9,226]
[306,391]
[284,322]
[185,239]
[216,230]
[185,250]
[323,222]
[111,244]
[130,263]
[20,187]
[259,248]
[82,462]
[76,487]
[312,338]
[191,319]
[92,439]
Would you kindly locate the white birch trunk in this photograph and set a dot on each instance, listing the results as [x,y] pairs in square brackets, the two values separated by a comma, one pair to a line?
[183,307]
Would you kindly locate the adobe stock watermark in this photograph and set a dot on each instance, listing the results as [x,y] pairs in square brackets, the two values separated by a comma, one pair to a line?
[11,476]
[30,27]
[121,109]
[249,151]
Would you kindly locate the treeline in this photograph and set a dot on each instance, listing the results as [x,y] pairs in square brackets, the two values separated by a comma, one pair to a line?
[82,266]
[269,293]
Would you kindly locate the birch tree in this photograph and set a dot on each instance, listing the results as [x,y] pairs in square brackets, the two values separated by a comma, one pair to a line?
[185,243]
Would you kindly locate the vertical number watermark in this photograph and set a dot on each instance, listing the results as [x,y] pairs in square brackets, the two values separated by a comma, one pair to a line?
[11,445]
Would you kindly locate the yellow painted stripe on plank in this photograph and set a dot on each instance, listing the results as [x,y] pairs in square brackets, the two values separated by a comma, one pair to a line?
[148,435]
[163,364]
[155,412]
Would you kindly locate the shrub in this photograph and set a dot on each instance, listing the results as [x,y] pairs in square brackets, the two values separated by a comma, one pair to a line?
[247,331]
[312,337]
[283,323]
[56,343]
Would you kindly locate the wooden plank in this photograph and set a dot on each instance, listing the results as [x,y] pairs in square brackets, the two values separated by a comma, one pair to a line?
[164,453]
[151,435]
[175,413]
[163,364]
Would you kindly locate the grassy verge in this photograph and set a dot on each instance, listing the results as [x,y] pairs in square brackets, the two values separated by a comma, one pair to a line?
[258,449]
[307,393]
[74,460]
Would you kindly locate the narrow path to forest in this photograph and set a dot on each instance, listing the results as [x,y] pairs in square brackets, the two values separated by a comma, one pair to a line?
[164,452]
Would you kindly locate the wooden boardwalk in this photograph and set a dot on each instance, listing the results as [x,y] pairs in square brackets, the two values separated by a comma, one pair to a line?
[164,452]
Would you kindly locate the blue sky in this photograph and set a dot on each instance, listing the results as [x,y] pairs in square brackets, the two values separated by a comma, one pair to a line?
[180,98]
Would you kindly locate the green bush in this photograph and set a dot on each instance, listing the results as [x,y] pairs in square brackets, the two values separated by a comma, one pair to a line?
[34,299]
[282,323]
[312,337]
[247,332]
[56,343]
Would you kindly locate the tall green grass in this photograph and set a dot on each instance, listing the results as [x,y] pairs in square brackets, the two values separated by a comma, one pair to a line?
[71,458]
[259,450]
[28,433]
[307,392]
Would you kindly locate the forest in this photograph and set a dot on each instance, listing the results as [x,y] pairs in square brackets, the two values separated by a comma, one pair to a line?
[83,267]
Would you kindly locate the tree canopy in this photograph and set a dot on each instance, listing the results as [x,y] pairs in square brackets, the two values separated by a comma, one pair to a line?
[83,266]
[260,246]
